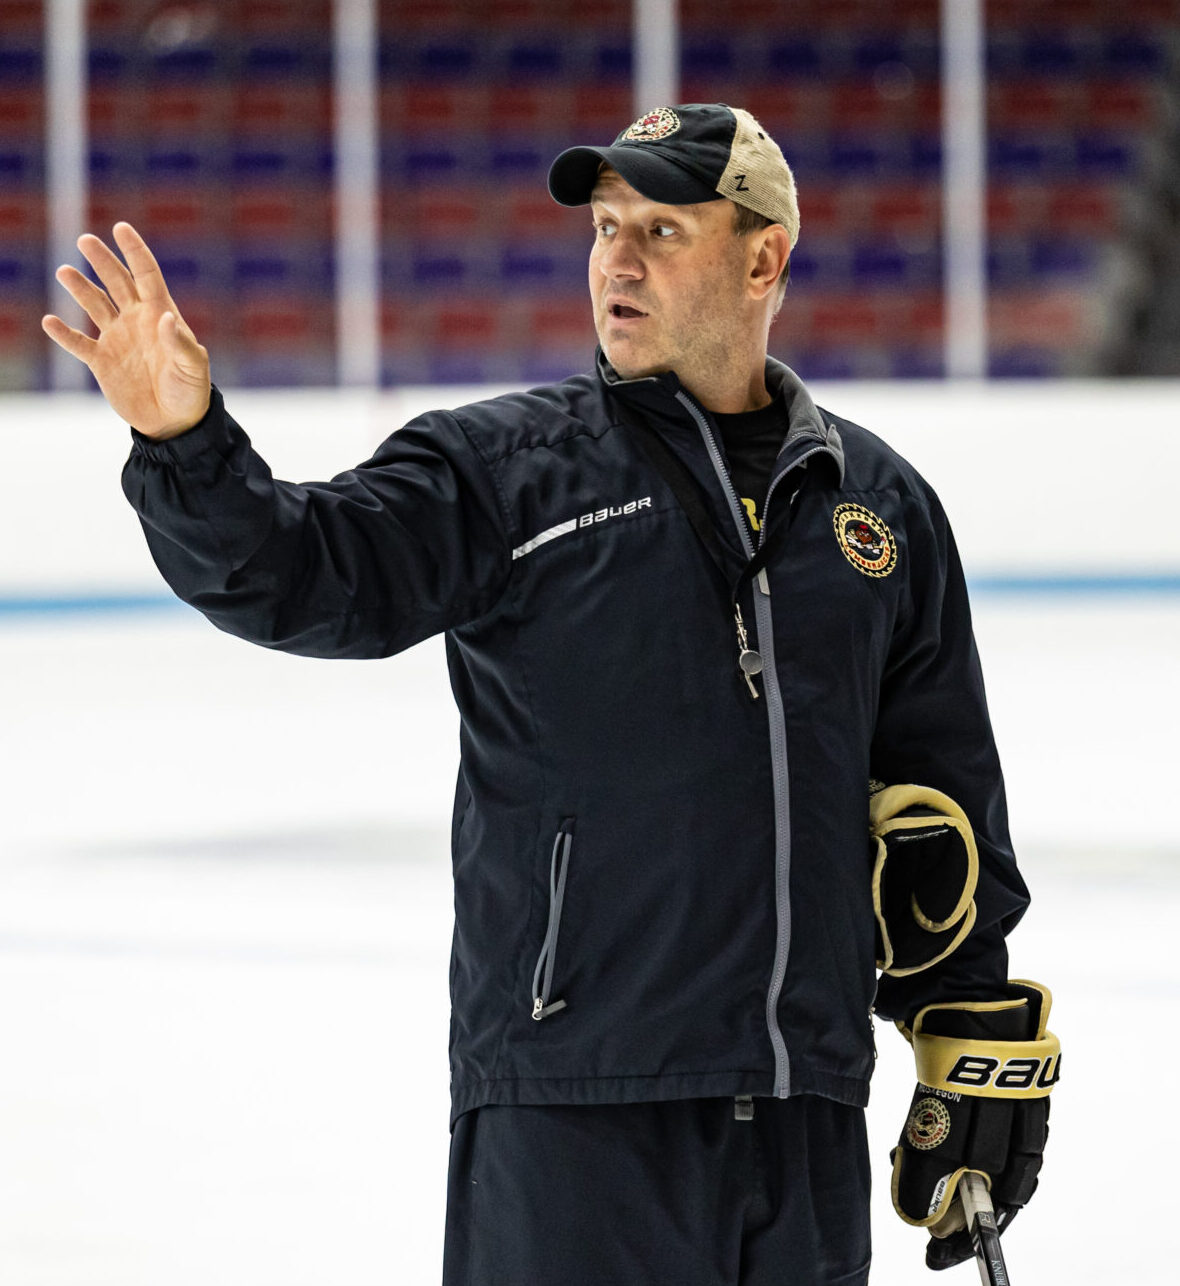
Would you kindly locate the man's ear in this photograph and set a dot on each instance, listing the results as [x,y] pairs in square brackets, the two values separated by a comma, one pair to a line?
[771,250]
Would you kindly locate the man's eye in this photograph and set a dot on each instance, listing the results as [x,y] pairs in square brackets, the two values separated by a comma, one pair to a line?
[664,230]
[604,229]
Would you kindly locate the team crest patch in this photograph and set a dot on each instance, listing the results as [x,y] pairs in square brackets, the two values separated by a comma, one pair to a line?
[928,1126]
[655,125]
[865,540]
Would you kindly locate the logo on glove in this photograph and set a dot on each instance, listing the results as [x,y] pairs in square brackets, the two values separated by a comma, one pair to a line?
[928,1126]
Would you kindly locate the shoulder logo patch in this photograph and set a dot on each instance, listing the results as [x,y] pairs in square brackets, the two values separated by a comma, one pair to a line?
[865,540]
[928,1126]
[655,125]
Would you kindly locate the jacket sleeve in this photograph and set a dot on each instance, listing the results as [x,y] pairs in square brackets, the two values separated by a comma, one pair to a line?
[933,729]
[408,544]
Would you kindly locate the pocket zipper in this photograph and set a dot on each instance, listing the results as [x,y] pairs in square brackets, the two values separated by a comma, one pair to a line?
[543,973]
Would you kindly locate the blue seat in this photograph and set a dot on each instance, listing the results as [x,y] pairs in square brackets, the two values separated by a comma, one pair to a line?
[797,56]
[1027,156]
[441,269]
[1007,262]
[20,63]
[1062,258]
[1134,53]
[1053,53]
[917,50]
[542,265]
[534,59]
[460,368]
[826,363]
[610,60]
[21,273]
[917,363]
[923,154]
[186,270]
[707,55]
[519,160]
[182,162]
[292,60]
[265,270]
[430,161]
[884,265]
[190,63]
[1106,156]
[20,167]
[1025,363]
[442,58]
[861,154]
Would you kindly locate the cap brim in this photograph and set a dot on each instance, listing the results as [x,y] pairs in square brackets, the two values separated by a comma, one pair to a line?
[573,175]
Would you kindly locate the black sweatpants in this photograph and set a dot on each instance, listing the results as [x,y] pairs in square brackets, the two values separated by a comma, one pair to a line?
[659,1194]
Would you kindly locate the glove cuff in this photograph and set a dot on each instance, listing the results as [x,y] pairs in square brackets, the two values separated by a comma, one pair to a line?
[966,1048]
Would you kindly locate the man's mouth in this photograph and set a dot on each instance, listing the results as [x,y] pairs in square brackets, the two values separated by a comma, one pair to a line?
[624,311]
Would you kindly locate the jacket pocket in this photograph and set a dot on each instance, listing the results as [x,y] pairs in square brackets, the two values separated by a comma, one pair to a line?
[559,863]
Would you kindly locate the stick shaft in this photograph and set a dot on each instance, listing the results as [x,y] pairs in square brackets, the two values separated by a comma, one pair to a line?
[985,1236]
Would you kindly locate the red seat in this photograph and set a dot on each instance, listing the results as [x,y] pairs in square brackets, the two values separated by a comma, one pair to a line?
[598,112]
[848,319]
[1057,319]
[22,113]
[561,323]
[1084,208]
[1121,105]
[527,109]
[1015,208]
[905,211]
[22,217]
[1033,104]
[821,211]
[470,325]
[282,109]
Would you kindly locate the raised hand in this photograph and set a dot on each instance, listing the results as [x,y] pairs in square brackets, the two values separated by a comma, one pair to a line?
[146,360]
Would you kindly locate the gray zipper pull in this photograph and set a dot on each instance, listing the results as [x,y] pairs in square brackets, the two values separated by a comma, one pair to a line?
[542,1010]
[743,1108]
[749,661]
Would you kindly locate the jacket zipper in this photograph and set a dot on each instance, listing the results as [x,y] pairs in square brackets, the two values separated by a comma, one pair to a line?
[543,973]
[778,750]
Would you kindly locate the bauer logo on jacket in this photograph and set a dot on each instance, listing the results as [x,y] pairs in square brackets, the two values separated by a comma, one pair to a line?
[865,540]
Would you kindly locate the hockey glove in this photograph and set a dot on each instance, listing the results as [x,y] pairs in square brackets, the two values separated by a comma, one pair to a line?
[924,876]
[984,1075]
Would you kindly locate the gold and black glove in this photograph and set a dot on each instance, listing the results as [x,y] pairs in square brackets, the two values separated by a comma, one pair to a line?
[982,1104]
[925,870]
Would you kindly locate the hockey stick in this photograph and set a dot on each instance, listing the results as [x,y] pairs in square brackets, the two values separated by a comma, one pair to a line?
[981,1224]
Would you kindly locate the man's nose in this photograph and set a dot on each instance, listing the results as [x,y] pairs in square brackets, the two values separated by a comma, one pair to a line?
[620,258]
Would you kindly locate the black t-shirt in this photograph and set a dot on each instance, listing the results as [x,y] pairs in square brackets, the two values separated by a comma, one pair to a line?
[752,440]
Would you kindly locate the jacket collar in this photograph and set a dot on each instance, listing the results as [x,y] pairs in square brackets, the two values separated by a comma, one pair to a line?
[806,427]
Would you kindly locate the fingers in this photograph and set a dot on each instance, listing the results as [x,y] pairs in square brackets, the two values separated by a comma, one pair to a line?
[110,270]
[73,341]
[96,303]
[149,280]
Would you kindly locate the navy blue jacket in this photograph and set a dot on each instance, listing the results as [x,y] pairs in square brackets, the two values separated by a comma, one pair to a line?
[662,879]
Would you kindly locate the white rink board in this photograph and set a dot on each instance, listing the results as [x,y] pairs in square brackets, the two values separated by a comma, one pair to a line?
[1036,477]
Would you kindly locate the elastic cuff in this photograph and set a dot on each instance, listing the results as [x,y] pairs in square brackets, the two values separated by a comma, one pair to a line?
[208,431]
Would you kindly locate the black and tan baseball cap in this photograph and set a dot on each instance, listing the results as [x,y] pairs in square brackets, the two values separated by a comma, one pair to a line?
[685,155]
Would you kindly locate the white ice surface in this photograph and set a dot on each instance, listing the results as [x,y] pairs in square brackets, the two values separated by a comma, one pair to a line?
[225,924]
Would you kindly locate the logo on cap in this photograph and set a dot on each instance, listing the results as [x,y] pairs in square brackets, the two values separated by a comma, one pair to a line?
[655,125]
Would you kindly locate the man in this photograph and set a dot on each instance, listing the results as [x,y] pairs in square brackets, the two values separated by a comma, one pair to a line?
[689,618]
